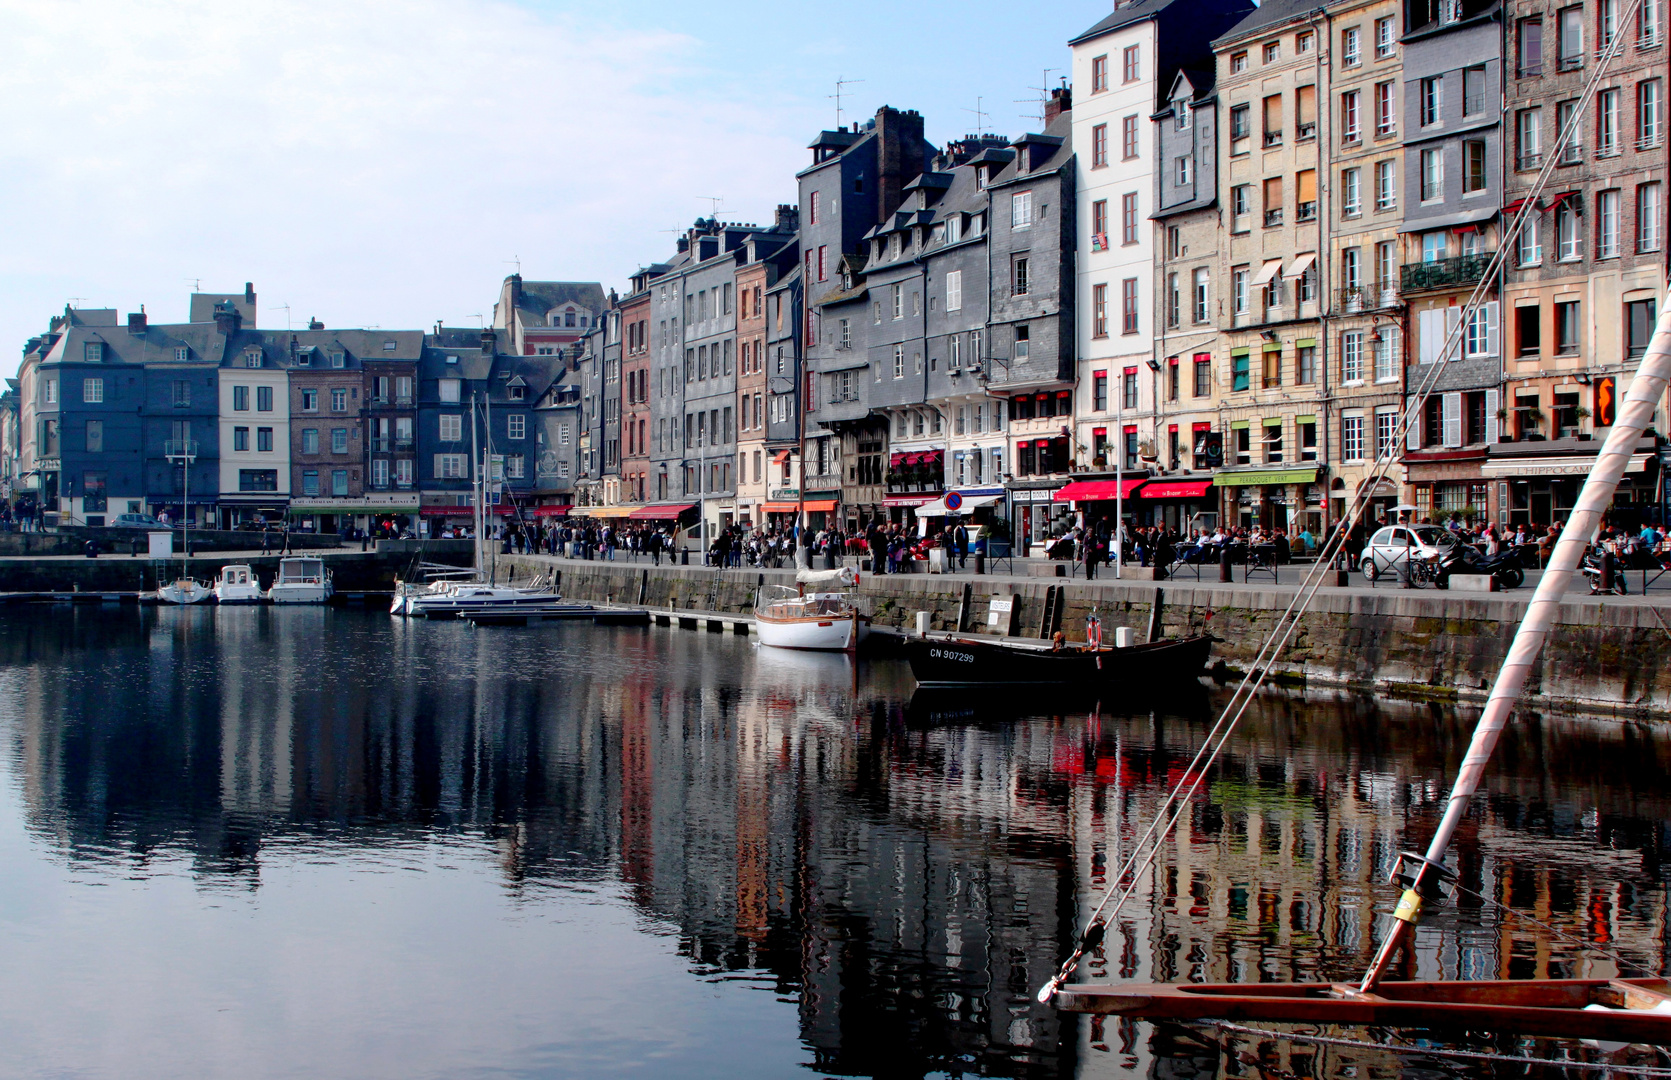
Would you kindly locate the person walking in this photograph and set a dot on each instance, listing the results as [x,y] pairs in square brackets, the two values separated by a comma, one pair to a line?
[962,541]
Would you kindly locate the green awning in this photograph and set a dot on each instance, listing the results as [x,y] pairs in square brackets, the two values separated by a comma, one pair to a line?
[1265,476]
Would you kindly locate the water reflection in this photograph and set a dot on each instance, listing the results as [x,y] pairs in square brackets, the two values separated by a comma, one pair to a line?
[906,870]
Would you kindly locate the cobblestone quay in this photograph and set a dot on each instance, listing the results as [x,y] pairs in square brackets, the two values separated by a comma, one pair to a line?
[1608,655]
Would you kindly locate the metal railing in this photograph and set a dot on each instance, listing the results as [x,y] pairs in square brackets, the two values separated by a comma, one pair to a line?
[1273,138]
[1529,162]
[1273,218]
[1376,294]
[1459,270]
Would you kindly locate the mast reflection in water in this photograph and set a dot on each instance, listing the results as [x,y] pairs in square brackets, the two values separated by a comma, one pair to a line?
[312,842]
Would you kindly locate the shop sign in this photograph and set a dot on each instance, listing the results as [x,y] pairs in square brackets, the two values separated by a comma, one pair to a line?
[1268,476]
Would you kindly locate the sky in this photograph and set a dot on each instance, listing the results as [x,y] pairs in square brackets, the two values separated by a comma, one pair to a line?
[380,164]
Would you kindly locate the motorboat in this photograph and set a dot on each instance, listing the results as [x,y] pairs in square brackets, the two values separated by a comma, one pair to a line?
[238,584]
[301,581]
[819,613]
[460,597]
[960,660]
[184,590]
[437,580]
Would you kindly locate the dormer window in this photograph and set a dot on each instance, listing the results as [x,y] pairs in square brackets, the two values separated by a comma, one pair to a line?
[388,346]
[339,360]
[893,247]
[1181,114]
[182,353]
[980,178]
[93,352]
[518,392]
[252,358]
[568,318]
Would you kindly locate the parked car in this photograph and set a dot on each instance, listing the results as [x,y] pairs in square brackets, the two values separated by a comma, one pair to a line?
[1401,544]
[135,521]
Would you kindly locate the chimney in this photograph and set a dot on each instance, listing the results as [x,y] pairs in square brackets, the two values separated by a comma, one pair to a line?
[136,322]
[684,244]
[315,324]
[490,342]
[227,318]
[294,348]
[249,292]
[900,156]
[516,290]
[788,219]
[1061,101]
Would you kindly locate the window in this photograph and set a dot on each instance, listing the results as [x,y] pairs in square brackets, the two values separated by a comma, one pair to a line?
[1607,123]
[339,440]
[1567,331]
[1306,202]
[1273,52]
[1182,114]
[95,436]
[240,438]
[1239,370]
[1351,193]
[1239,432]
[1305,113]
[1384,39]
[1650,204]
[1128,138]
[240,399]
[1182,171]
[954,298]
[1386,185]
[1529,248]
[253,358]
[1128,388]
[1174,302]
[264,439]
[1128,306]
[339,481]
[1099,74]
[310,440]
[899,361]
[1473,166]
[1529,138]
[1386,110]
[1530,58]
[1239,127]
[1238,62]
[1607,23]
[516,467]
[1351,356]
[1433,246]
[1607,224]
[1271,370]
[1273,120]
[1473,92]
[257,479]
[310,481]
[1650,114]
[1351,126]
[1351,268]
[1099,311]
[1203,383]
[452,427]
[1099,391]
[1351,437]
[1129,63]
[380,473]
[263,399]
[1200,303]
[1018,277]
[1099,146]
[1128,218]
[1569,39]
[1381,349]
[516,426]
[1647,24]
[1567,236]
[92,391]
[1238,290]
[1432,102]
[182,392]
[1271,440]
[1305,365]
[339,399]
[1432,175]
[1639,327]
[1099,225]
[1480,337]
[337,360]
[1569,128]
[450,390]
[182,353]
[823,252]
[1386,427]
[1303,41]
[1273,201]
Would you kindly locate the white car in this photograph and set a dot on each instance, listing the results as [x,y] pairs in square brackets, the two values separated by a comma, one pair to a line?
[1401,544]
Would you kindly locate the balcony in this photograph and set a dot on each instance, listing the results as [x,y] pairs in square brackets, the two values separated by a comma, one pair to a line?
[1370,297]
[1444,273]
[1529,162]
[403,443]
[1307,211]
[1273,218]
[380,446]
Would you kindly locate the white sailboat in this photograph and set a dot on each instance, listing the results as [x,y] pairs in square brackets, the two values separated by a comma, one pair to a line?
[184,589]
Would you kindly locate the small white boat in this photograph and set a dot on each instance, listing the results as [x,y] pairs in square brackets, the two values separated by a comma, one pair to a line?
[301,581]
[822,621]
[237,585]
[184,591]
[462,596]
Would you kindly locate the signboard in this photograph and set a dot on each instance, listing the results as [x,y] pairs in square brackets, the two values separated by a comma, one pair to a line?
[953,501]
[999,613]
[1606,401]
[1209,447]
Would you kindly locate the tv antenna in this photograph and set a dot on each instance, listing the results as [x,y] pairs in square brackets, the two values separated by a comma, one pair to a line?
[76,301]
[478,317]
[713,202]
[1043,100]
[981,116]
[286,309]
[196,283]
[516,261]
[841,90]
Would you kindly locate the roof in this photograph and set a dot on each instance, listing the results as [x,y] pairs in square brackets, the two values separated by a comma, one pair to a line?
[1268,14]
[540,297]
[1125,14]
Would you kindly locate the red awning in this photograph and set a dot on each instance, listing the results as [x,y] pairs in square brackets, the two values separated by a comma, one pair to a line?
[1178,489]
[780,457]
[1514,207]
[898,459]
[1094,490]
[658,513]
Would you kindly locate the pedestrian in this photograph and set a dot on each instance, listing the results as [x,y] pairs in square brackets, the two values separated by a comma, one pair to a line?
[962,547]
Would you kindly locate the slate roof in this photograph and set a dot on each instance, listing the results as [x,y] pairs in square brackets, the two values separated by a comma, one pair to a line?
[539,297]
[1124,15]
[1268,14]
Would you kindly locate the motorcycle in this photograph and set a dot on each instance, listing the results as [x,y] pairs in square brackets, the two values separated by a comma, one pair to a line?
[1604,573]
[1460,558]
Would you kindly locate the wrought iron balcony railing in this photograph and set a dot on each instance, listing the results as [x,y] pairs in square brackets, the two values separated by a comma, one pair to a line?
[1460,270]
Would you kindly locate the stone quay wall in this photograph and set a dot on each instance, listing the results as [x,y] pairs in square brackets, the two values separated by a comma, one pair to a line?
[1609,658]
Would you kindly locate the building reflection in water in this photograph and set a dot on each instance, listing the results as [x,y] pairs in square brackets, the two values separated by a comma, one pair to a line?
[909,875]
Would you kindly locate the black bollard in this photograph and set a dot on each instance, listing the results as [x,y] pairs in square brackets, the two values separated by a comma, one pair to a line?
[980,562]
[1224,565]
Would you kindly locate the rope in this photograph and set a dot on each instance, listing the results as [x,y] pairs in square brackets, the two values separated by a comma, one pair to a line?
[1147,849]
[1439,1052]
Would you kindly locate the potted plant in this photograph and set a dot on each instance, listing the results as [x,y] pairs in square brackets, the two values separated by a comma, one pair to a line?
[1503,433]
[1580,414]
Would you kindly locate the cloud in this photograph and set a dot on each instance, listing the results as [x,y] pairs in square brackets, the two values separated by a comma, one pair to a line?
[366,162]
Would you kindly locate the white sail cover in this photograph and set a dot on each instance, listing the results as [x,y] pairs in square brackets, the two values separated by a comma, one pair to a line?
[845,575]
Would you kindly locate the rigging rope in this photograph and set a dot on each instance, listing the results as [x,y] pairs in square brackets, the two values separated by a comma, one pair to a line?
[1148,846]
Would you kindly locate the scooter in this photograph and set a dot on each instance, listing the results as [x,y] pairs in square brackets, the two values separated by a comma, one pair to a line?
[1460,558]
[1598,567]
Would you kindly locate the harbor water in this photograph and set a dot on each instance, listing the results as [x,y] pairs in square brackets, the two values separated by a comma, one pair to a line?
[311,842]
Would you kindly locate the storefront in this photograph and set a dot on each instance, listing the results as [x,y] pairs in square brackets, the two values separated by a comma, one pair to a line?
[914,477]
[820,514]
[975,507]
[1282,499]
[1440,483]
[1035,514]
[372,512]
[1099,500]
[1538,482]
[1181,505]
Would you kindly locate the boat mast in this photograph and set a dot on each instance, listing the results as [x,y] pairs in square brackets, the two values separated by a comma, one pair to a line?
[476,487]
[1635,416]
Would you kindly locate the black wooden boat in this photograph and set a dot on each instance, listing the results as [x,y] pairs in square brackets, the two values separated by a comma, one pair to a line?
[963,661]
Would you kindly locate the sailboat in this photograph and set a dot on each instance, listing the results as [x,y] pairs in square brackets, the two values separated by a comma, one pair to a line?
[185,589]
[1613,1009]
[819,613]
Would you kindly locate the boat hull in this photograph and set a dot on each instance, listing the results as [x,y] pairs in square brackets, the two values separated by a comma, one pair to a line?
[1549,1007]
[299,594]
[187,593]
[239,594]
[818,634]
[958,661]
